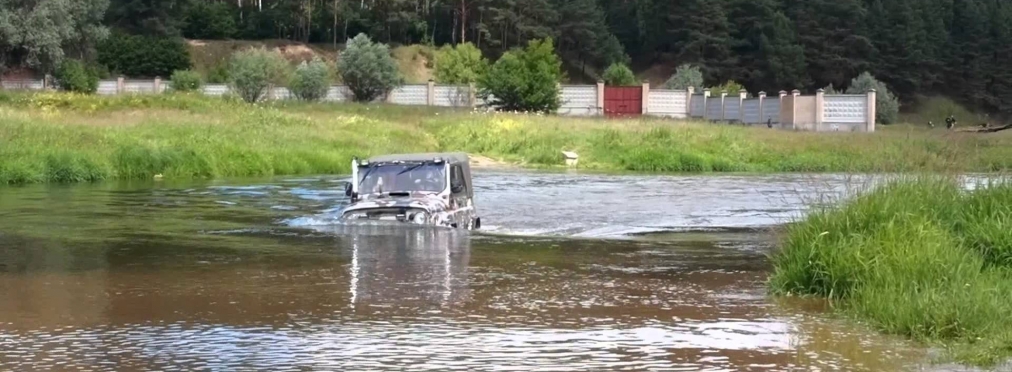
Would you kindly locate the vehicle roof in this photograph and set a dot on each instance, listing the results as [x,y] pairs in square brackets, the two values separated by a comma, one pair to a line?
[452,157]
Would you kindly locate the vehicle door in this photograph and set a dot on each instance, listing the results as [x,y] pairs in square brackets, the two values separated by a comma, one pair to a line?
[460,205]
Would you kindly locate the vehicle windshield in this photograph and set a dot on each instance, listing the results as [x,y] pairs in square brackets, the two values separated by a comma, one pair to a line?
[402,178]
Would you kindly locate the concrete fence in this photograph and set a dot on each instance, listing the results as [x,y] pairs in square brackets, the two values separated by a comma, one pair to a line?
[821,112]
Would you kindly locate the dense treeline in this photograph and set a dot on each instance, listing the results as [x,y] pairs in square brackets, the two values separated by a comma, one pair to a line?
[958,48]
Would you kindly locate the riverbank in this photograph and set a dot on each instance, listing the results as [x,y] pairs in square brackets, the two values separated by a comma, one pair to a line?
[920,258]
[58,137]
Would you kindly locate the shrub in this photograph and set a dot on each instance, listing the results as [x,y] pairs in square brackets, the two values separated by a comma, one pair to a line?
[462,64]
[887,106]
[253,72]
[311,80]
[143,56]
[206,20]
[524,80]
[74,76]
[619,74]
[730,87]
[218,74]
[368,69]
[185,81]
[685,76]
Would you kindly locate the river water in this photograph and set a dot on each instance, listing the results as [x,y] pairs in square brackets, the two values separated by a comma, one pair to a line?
[573,272]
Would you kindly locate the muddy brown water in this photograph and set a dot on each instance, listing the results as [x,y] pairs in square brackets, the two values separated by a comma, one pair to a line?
[575,272]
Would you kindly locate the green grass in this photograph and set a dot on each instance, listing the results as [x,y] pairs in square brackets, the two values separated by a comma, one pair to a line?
[57,137]
[920,258]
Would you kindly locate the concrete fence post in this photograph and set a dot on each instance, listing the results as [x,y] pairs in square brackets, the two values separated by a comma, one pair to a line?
[742,94]
[723,106]
[783,95]
[820,105]
[120,85]
[646,98]
[688,102]
[762,102]
[871,110]
[430,93]
[706,104]
[472,96]
[157,85]
[600,97]
[794,108]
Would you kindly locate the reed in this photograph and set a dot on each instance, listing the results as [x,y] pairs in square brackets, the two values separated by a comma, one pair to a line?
[918,257]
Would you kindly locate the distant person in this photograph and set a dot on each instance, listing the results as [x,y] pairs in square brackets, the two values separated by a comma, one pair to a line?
[769,122]
[950,122]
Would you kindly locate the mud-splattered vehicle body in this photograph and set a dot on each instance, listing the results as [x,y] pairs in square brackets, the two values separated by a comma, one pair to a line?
[423,189]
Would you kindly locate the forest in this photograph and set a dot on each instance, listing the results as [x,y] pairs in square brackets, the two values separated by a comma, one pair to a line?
[955,48]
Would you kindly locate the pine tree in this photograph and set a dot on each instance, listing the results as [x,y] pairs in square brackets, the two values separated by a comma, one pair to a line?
[969,42]
[702,35]
[834,38]
[782,58]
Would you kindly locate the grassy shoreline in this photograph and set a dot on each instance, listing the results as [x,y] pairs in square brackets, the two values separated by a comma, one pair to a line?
[921,258]
[59,137]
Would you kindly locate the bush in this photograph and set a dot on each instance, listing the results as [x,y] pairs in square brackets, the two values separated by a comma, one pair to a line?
[368,69]
[730,87]
[210,21]
[462,64]
[685,76]
[143,56]
[311,80]
[185,81]
[74,76]
[254,72]
[619,74]
[524,80]
[218,74]
[887,106]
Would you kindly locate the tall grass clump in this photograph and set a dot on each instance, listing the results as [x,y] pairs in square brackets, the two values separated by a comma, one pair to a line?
[920,258]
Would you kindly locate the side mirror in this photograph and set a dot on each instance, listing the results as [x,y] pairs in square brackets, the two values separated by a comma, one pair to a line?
[457,189]
[347,190]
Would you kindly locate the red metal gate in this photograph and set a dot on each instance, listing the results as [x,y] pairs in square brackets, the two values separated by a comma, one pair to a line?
[623,101]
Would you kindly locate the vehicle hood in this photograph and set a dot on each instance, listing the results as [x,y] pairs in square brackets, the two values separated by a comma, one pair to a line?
[431,203]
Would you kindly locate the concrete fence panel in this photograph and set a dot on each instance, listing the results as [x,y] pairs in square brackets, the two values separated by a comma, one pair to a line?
[338,93]
[414,95]
[139,86]
[732,109]
[697,110]
[667,103]
[579,100]
[106,88]
[452,95]
[845,109]
[280,93]
[713,108]
[750,110]
[771,110]
[22,84]
[215,89]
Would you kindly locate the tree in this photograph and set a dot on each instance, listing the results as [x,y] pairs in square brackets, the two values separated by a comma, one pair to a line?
[701,34]
[368,69]
[619,74]
[781,57]
[254,72]
[887,107]
[147,17]
[210,21]
[833,35]
[524,79]
[583,32]
[143,56]
[38,34]
[685,76]
[311,80]
[461,64]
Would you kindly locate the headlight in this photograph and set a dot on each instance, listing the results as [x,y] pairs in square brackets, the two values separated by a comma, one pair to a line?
[420,218]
